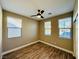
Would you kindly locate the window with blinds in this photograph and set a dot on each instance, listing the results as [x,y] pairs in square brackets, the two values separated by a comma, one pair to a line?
[65,27]
[14,26]
[47,28]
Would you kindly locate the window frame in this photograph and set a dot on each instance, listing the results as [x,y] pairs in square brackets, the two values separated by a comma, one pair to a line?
[45,29]
[15,28]
[65,28]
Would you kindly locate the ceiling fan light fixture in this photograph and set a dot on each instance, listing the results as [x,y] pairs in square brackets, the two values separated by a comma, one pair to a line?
[38,16]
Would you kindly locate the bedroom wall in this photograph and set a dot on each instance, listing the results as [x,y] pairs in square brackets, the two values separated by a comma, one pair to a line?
[29,26]
[54,38]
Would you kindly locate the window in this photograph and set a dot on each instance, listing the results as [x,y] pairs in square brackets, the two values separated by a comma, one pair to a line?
[65,27]
[47,27]
[14,26]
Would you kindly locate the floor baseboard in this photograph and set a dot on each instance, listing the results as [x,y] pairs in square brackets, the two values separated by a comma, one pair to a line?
[38,51]
[6,52]
[57,47]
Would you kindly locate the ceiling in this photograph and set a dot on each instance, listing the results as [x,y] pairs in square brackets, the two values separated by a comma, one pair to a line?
[30,7]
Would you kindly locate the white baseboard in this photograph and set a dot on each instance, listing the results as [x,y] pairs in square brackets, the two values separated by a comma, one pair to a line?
[6,52]
[57,47]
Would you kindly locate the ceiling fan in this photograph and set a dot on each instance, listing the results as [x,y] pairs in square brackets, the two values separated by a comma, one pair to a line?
[39,14]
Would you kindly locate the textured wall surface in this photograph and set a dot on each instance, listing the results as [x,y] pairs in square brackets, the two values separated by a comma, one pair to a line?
[54,38]
[29,32]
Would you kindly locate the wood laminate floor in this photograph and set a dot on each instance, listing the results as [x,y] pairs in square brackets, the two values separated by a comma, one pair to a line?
[38,51]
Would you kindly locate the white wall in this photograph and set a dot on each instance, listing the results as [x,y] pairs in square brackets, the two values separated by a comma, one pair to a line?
[75,9]
[0,32]
[75,29]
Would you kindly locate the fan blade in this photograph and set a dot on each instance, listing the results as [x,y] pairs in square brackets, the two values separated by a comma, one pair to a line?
[38,14]
[42,11]
[33,15]
[42,17]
